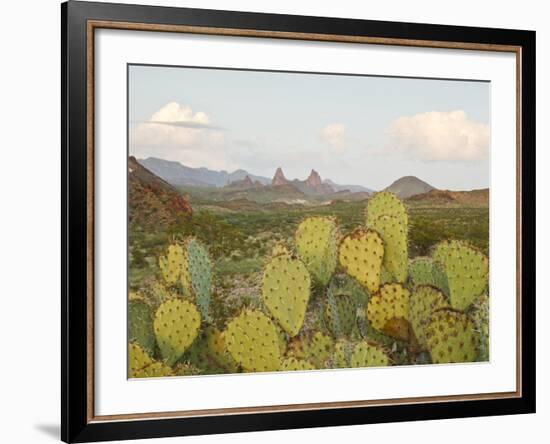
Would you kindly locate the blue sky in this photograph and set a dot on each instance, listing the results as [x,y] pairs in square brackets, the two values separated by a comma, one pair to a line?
[351,129]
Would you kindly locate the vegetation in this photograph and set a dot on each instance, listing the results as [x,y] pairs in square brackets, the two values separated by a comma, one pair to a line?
[266,286]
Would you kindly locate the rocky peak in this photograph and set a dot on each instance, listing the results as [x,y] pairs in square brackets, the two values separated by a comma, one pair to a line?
[247,181]
[279,178]
[314,180]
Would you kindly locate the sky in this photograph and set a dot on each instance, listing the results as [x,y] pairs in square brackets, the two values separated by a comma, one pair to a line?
[358,130]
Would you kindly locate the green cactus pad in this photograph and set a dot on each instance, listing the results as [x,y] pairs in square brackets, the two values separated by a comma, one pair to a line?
[316,243]
[467,271]
[340,313]
[140,325]
[140,364]
[451,337]
[172,265]
[341,357]
[388,310]
[176,326]
[385,203]
[313,347]
[294,364]
[252,340]
[199,275]
[394,234]
[424,301]
[480,317]
[366,354]
[361,255]
[421,271]
[286,289]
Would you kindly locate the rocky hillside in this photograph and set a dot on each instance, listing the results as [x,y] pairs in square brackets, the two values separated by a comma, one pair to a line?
[474,197]
[152,202]
[409,186]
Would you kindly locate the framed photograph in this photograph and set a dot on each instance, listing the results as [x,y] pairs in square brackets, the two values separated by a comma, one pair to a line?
[275,221]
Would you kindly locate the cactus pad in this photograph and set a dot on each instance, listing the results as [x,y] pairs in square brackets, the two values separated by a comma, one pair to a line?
[396,256]
[467,271]
[279,249]
[140,325]
[341,357]
[292,364]
[366,354]
[172,265]
[424,301]
[176,326]
[388,310]
[140,364]
[252,340]
[340,313]
[361,255]
[286,289]
[314,347]
[217,349]
[198,273]
[480,317]
[316,243]
[451,337]
[385,203]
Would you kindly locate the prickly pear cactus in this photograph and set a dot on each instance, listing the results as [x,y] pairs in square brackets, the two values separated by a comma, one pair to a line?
[252,340]
[388,310]
[172,265]
[480,317]
[341,358]
[294,364]
[340,313]
[361,255]
[217,349]
[278,249]
[467,271]
[367,354]
[424,301]
[198,272]
[385,203]
[185,369]
[313,347]
[176,326]
[140,324]
[451,337]
[421,271]
[140,364]
[394,234]
[316,243]
[285,290]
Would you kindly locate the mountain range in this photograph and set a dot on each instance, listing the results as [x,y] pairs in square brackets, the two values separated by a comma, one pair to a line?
[177,174]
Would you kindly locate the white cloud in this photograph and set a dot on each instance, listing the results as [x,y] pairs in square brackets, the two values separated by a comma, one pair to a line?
[176,132]
[434,136]
[334,134]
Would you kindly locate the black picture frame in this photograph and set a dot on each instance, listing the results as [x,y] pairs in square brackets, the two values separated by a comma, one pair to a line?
[76,423]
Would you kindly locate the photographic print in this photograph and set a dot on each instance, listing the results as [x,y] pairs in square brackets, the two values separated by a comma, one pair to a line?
[296,221]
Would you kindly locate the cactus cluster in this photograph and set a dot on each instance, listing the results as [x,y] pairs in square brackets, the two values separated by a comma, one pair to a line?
[326,299]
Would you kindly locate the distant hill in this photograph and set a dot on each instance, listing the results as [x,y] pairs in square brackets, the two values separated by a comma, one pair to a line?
[178,174]
[352,188]
[244,184]
[474,197]
[409,186]
[152,201]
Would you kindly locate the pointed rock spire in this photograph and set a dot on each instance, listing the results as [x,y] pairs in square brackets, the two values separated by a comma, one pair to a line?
[279,178]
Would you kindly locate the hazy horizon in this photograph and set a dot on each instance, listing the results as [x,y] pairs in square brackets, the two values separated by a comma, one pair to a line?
[353,130]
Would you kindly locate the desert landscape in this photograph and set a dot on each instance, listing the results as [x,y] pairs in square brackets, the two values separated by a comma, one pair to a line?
[218,244]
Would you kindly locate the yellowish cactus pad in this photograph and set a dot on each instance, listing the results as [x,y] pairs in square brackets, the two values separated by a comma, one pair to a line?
[252,340]
[388,310]
[361,255]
